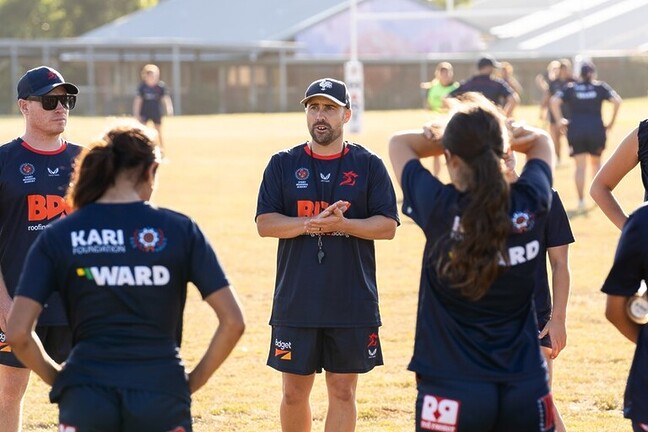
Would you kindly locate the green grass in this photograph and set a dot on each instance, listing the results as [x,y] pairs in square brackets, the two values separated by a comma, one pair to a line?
[213,174]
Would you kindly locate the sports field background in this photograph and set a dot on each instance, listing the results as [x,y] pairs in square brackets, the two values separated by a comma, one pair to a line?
[213,172]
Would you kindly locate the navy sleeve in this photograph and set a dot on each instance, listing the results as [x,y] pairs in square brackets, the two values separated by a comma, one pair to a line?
[382,198]
[205,270]
[420,190]
[631,256]
[558,230]
[270,199]
[536,176]
[37,279]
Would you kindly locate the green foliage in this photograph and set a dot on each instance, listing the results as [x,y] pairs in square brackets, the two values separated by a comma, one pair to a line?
[49,19]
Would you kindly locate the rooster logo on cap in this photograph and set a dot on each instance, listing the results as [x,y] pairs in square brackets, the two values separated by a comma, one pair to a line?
[326,85]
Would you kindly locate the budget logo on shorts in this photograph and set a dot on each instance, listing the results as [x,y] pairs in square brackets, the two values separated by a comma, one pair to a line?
[439,414]
[4,347]
[149,239]
[283,350]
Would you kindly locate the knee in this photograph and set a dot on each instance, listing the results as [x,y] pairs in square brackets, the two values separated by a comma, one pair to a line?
[342,391]
[295,395]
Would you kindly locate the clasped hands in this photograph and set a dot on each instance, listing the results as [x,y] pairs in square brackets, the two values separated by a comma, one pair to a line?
[331,219]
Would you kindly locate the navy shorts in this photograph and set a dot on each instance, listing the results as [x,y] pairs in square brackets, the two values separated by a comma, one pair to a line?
[304,351]
[477,406]
[156,118]
[107,409]
[57,341]
[586,140]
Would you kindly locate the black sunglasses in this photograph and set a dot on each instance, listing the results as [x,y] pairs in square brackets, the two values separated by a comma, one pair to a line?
[50,102]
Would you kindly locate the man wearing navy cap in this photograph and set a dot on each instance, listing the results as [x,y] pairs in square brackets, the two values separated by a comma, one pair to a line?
[495,89]
[326,200]
[34,175]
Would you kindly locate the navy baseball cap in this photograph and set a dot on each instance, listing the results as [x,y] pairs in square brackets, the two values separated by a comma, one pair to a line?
[42,80]
[488,61]
[329,88]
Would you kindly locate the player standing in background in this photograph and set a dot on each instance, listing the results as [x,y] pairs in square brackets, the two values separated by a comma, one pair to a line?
[476,354]
[122,267]
[34,175]
[621,285]
[558,79]
[507,73]
[495,89]
[435,97]
[631,151]
[152,100]
[585,130]
[326,200]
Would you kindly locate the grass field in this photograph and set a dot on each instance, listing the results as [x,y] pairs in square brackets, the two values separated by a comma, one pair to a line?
[213,173]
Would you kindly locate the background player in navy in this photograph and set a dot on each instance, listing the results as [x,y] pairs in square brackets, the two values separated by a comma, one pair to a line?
[152,100]
[122,267]
[34,175]
[628,271]
[558,79]
[586,132]
[476,353]
[631,151]
[326,201]
[551,310]
[495,89]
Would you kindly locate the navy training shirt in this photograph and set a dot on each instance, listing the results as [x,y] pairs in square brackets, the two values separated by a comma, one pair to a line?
[122,272]
[151,98]
[584,101]
[495,89]
[494,338]
[32,186]
[629,268]
[342,291]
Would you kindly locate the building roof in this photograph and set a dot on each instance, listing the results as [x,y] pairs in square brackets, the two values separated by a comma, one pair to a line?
[597,27]
[322,28]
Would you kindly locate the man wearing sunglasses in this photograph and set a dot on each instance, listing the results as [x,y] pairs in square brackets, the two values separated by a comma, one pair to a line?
[34,174]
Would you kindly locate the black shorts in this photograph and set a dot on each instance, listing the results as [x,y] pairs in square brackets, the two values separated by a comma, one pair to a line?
[107,409]
[304,351]
[57,341]
[476,406]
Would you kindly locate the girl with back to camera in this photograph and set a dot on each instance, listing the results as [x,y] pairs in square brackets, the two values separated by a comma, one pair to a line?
[476,356]
[122,267]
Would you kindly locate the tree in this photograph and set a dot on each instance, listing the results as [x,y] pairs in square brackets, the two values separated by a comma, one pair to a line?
[50,19]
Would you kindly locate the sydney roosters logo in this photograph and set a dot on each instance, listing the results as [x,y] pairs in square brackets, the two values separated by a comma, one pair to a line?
[348,178]
[51,76]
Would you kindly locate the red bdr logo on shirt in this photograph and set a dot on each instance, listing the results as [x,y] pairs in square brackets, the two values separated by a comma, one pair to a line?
[439,414]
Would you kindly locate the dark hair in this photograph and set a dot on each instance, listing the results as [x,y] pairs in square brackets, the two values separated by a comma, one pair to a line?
[123,148]
[472,261]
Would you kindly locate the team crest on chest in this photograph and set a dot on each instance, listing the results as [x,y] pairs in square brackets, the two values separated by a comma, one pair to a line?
[302,174]
[522,222]
[28,171]
[149,239]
